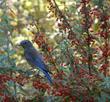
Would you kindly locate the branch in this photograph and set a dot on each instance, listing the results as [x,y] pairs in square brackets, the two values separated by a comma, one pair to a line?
[4,68]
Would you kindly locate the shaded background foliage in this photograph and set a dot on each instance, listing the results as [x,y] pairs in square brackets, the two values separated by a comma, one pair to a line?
[74,39]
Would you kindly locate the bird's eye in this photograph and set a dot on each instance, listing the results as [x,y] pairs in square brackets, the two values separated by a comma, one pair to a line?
[24,42]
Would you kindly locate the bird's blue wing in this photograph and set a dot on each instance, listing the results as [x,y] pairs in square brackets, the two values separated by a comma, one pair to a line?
[42,67]
[35,59]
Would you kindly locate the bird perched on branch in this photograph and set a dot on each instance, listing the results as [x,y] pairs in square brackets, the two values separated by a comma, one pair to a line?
[34,58]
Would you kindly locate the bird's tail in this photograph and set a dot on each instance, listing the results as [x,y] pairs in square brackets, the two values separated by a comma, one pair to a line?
[48,77]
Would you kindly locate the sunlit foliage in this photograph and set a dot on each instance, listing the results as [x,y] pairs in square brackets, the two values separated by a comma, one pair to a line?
[73,37]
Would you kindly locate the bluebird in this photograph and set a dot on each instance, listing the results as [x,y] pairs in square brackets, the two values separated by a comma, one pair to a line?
[35,59]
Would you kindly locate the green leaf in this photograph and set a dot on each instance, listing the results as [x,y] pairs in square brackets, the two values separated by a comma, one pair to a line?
[98,2]
[103,97]
[10,83]
[106,83]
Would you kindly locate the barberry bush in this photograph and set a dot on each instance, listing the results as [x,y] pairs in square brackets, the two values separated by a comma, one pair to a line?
[73,37]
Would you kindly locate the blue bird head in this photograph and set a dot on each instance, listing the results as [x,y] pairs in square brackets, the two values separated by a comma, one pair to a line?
[26,44]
